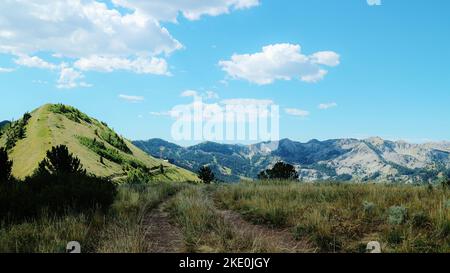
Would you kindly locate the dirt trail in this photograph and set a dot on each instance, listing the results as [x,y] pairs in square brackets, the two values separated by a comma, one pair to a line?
[164,237]
[282,240]
[161,235]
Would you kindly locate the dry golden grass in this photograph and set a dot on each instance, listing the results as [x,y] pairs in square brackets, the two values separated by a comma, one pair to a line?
[329,217]
[345,217]
[120,231]
[205,229]
[125,229]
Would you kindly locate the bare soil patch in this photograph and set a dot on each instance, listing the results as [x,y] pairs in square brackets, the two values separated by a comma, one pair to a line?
[281,239]
[161,235]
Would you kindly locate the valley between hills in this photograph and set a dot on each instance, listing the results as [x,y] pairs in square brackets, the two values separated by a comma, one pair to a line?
[70,177]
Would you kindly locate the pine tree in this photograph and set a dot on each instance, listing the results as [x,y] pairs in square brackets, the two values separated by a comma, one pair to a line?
[5,166]
[206,175]
[60,161]
[281,170]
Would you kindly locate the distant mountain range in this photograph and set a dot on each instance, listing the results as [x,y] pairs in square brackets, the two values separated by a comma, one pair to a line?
[372,159]
[105,153]
[101,150]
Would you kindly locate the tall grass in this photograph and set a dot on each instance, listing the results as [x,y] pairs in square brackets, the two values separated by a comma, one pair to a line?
[50,234]
[345,217]
[120,230]
[332,217]
[125,232]
[205,230]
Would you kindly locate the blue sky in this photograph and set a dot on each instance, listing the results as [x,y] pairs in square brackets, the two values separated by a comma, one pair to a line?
[387,65]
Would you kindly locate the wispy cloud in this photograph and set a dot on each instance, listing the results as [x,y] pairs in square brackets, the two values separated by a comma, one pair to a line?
[189,93]
[6,70]
[34,62]
[69,77]
[211,95]
[40,82]
[140,65]
[374,2]
[297,112]
[208,95]
[326,106]
[245,102]
[160,114]
[132,99]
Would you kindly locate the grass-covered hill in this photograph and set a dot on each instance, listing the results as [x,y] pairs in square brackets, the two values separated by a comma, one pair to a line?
[101,151]
[3,123]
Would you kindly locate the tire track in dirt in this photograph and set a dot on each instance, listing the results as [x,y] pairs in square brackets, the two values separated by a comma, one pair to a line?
[280,239]
[162,236]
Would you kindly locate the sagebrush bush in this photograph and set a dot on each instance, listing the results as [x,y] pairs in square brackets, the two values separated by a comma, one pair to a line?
[369,208]
[344,217]
[327,242]
[447,204]
[444,229]
[303,230]
[397,215]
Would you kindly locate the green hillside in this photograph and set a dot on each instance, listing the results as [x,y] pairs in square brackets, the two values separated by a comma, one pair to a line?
[101,151]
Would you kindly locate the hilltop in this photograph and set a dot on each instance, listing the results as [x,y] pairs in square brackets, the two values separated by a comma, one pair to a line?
[372,159]
[101,150]
[3,123]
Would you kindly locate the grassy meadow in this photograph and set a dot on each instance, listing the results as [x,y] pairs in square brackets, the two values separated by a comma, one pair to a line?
[204,228]
[324,217]
[345,217]
[120,230]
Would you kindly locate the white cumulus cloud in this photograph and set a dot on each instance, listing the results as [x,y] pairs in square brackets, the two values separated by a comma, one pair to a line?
[256,108]
[79,29]
[97,35]
[70,78]
[168,10]
[280,62]
[85,28]
[328,58]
